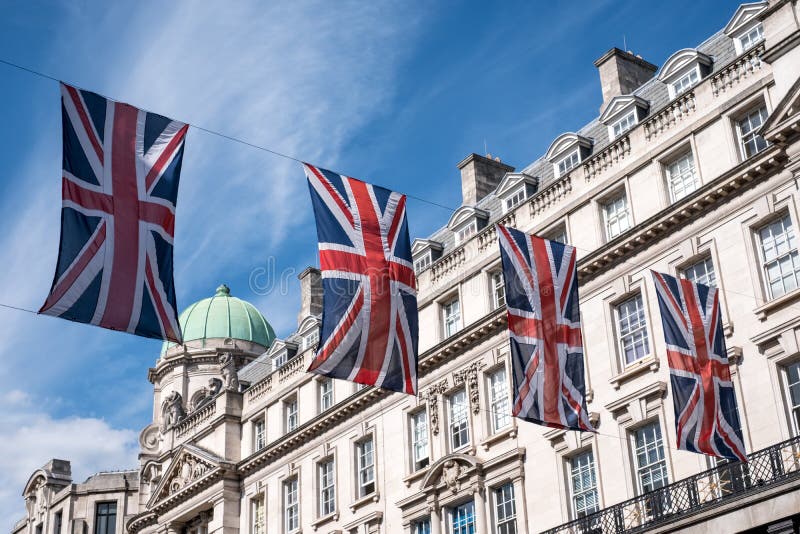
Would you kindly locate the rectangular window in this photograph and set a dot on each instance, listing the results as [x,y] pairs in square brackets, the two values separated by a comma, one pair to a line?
[651,466]
[616,216]
[633,340]
[500,411]
[459,420]
[422,263]
[325,394]
[751,38]
[558,235]
[466,232]
[366,467]
[750,142]
[310,341]
[452,317]
[280,360]
[290,411]
[624,124]
[701,272]
[105,518]
[516,198]
[780,261]
[58,520]
[462,518]
[685,82]
[498,290]
[259,435]
[258,517]
[505,509]
[421,526]
[569,162]
[583,484]
[419,440]
[39,528]
[291,506]
[327,488]
[793,395]
[681,177]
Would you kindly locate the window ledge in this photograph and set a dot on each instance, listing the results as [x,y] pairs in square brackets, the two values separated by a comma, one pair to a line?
[416,475]
[507,432]
[648,363]
[763,311]
[325,519]
[375,496]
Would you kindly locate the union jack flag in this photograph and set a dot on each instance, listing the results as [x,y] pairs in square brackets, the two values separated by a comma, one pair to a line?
[706,415]
[369,317]
[541,283]
[121,168]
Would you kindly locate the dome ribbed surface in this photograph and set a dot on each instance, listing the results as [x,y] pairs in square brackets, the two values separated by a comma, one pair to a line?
[223,316]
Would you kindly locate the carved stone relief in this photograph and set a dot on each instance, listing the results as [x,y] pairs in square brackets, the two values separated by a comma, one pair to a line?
[451,472]
[149,439]
[230,378]
[432,396]
[186,470]
[172,411]
[469,376]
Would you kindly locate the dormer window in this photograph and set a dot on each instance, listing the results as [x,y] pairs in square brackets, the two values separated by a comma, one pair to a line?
[567,151]
[623,113]
[466,222]
[424,252]
[569,162]
[744,27]
[683,70]
[516,188]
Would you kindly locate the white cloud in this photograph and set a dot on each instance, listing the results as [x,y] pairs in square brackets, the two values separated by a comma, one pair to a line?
[31,438]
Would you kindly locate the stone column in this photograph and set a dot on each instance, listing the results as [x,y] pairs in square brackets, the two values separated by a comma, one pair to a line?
[520,504]
[174,527]
[480,510]
[436,518]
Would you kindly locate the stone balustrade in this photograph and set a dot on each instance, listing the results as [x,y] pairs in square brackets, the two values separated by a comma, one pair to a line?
[550,195]
[607,158]
[195,419]
[743,67]
[448,264]
[670,115]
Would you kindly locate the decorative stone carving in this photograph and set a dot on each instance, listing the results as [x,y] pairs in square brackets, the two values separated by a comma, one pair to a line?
[149,439]
[230,379]
[214,387]
[172,411]
[432,396]
[151,476]
[186,470]
[469,376]
[451,472]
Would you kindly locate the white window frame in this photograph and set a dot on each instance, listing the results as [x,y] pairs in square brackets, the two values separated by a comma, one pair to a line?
[258,515]
[451,319]
[280,360]
[619,217]
[497,287]
[558,234]
[458,420]
[745,41]
[463,528]
[567,162]
[792,407]
[751,134]
[650,466]
[516,198]
[291,505]
[311,339]
[685,82]
[259,434]
[505,509]
[634,334]
[701,271]
[791,255]
[325,394]
[365,467]
[326,480]
[681,175]
[591,489]
[499,401]
[290,414]
[622,125]
[420,440]
[467,231]
[422,262]
[421,525]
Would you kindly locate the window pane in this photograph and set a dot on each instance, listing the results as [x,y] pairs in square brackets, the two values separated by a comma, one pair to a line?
[463,518]
[780,262]
[633,338]
[459,420]
[701,272]
[681,176]
[105,518]
[584,485]
[498,290]
[452,317]
[366,467]
[651,465]
[291,508]
[615,213]
[419,439]
[505,509]
[500,412]
[749,141]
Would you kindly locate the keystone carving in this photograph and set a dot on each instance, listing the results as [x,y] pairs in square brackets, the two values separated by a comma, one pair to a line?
[451,472]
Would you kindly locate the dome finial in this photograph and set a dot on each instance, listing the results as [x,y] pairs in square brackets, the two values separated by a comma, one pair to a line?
[223,291]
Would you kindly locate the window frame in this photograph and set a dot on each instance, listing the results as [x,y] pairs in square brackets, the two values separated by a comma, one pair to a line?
[685,155]
[291,418]
[496,413]
[631,119]
[414,440]
[451,421]
[634,449]
[516,198]
[463,528]
[704,260]
[98,515]
[572,493]
[362,467]
[257,527]
[759,107]
[575,154]
[463,233]
[324,393]
[259,437]
[780,217]
[644,327]
[497,290]
[324,500]
[793,410]
[739,39]
[508,523]
[610,200]
[675,91]
[423,261]
[290,487]
[456,322]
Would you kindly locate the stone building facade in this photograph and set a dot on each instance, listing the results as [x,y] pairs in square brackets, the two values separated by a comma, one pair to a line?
[690,168]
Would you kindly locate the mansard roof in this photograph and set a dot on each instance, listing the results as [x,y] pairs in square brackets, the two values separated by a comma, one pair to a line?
[565,142]
[744,15]
[681,59]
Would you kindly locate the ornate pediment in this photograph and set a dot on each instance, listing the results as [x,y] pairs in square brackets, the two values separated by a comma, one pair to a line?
[421,246]
[450,472]
[621,105]
[680,61]
[784,121]
[513,180]
[565,142]
[744,15]
[464,215]
[190,465]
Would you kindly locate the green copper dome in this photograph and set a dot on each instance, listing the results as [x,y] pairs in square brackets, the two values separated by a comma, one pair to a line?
[223,316]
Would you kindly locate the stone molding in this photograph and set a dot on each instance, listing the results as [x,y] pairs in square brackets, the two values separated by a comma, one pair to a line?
[738,70]
[607,158]
[469,376]
[670,115]
[634,406]
[193,420]
[550,195]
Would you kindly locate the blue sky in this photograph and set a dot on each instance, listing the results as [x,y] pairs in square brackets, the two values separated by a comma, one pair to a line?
[394,93]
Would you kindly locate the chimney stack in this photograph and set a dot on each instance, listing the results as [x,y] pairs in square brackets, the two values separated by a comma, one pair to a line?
[480,175]
[310,293]
[621,73]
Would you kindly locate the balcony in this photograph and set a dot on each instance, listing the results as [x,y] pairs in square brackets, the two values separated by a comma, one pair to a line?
[766,469]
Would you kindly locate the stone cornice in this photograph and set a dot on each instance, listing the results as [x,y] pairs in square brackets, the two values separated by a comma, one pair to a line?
[140,521]
[680,213]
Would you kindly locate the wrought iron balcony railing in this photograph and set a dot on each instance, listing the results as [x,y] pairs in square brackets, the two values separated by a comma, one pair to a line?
[766,468]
